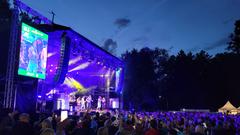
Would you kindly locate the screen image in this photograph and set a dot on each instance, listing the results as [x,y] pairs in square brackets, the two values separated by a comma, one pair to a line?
[33,52]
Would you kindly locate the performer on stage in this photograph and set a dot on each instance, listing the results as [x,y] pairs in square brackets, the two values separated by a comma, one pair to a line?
[72,98]
[103,103]
[72,102]
[78,103]
[83,107]
[99,103]
[89,102]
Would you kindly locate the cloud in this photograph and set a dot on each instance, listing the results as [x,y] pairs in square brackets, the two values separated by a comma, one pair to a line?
[122,22]
[218,43]
[147,30]
[140,39]
[110,45]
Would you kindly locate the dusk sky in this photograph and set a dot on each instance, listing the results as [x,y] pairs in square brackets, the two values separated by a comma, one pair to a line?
[191,25]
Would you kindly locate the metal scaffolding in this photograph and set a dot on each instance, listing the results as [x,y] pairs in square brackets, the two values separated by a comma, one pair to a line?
[10,91]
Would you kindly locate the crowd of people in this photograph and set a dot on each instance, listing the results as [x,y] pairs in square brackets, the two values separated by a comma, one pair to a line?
[120,123]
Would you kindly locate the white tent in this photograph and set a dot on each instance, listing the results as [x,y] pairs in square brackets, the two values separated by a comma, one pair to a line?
[238,109]
[228,108]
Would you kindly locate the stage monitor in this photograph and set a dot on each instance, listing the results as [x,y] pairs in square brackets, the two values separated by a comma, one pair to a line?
[33,52]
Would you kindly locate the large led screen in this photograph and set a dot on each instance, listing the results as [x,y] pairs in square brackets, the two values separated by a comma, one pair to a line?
[33,52]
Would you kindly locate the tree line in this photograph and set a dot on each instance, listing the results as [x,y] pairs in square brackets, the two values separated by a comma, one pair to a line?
[155,80]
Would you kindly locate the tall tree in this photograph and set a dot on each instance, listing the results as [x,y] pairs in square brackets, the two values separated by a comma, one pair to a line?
[234,44]
[142,76]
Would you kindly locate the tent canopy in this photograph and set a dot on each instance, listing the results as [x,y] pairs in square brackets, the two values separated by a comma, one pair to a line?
[228,106]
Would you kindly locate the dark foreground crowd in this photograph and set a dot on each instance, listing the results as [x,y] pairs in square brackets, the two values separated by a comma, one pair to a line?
[120,123]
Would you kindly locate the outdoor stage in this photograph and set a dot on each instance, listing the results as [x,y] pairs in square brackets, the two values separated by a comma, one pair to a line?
[55,63]
[76,66]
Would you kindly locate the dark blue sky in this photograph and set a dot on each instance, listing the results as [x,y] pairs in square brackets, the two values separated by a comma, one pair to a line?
[190,25]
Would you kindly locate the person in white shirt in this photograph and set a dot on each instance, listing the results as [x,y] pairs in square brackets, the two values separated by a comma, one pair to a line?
[99,103]
[89,102]
[83,107]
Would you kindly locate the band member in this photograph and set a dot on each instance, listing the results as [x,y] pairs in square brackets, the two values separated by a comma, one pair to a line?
[72,98]
[99,103]
[78,103]
[103,103]
[72,102]
[83,103]
[89,102]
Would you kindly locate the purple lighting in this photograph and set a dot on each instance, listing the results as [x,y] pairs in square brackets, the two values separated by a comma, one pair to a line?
[89,67]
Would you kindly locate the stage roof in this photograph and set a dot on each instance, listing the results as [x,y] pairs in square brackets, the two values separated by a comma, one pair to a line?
[56,27]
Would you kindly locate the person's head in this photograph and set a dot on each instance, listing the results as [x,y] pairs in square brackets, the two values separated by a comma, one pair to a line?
[24,117]
[153,124]
[129,122]
[46,124]
[47,131]
[199,129]
[113,118]
[86,123]
[139,126]
[97,114]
